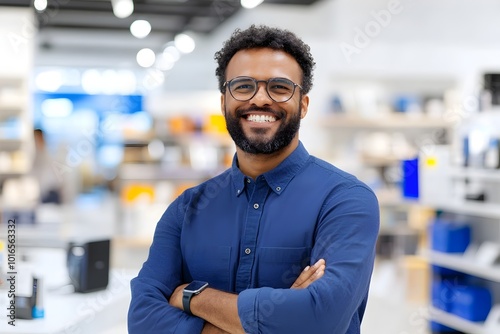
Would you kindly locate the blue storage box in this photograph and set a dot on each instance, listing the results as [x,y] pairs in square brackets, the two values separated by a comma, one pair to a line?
[449,236]
[442,294]
[472,303]
[410,178]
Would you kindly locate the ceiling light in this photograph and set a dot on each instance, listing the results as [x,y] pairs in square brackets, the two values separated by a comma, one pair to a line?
[164,63]
[127,82]
[57,107]
[171,53]
[145,57]
[122,8]
[109,82]
[49,81]
[184,43]
[249,4]
[140,28]
[40,5]
[91,81]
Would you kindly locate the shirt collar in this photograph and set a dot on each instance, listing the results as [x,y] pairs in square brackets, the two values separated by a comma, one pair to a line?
[277,178]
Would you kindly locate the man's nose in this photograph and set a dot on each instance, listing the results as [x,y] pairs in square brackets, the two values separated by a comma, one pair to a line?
[261,97]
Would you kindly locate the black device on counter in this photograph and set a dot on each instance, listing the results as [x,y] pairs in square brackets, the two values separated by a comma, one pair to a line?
[88,265]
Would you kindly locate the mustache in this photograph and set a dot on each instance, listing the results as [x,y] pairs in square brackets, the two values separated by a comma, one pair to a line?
[276,113]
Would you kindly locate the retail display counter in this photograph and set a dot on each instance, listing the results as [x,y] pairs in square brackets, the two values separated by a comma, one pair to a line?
[69,312]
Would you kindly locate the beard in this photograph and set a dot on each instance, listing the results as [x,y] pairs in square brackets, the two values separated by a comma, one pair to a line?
[283,137]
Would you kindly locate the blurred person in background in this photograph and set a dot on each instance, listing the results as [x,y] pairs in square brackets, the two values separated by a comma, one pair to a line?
[281,242]
[45,172]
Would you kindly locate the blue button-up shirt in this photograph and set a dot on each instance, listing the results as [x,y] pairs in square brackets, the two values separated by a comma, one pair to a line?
[253,238]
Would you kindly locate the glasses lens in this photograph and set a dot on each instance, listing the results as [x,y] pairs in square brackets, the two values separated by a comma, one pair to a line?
[242,88]
[280,89]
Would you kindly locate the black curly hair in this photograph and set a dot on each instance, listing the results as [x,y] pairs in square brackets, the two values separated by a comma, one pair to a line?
[266,37]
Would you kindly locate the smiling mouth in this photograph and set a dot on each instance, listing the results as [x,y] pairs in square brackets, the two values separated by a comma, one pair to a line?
[260,118]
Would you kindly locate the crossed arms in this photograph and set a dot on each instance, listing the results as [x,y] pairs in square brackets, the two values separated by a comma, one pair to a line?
[220,310]
[345,236]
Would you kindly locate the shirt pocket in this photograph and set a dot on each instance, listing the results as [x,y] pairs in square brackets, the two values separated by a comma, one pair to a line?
[209,264]
[279,267]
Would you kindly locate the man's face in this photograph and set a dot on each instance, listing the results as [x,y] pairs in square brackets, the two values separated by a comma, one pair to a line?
[261,125]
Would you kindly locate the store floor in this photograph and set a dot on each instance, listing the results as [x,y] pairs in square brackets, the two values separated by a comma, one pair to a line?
[392,307]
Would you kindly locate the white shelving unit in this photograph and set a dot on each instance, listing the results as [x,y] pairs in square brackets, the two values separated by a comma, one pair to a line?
[397,121]
[476,173]
[15,126]
[485,219]
[16,62]
[463,264]
[490,326]
[468,208]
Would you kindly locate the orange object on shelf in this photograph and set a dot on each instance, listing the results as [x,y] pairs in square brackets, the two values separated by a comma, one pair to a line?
[137,192]
[181,125]
[215,123]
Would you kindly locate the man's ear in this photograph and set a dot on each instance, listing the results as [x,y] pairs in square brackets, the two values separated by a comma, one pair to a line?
[222,104]
[304,101]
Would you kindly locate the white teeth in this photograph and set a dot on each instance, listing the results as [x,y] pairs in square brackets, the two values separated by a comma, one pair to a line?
[261,118]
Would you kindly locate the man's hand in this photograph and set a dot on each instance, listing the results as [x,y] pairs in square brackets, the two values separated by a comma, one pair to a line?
[309,275]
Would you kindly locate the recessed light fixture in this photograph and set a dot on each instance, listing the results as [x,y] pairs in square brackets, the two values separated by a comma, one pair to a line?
[40,5]
[146,57]
[249,4]
[122,8]
[171,53]
[140,28]
[184,43]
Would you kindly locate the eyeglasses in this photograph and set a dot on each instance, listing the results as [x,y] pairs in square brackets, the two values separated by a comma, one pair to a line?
[244,88]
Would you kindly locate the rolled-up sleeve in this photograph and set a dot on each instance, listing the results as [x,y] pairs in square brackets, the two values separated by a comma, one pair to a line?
[149,310]
[346,235]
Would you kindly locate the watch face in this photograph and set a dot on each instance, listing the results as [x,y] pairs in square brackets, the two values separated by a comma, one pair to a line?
[196,286]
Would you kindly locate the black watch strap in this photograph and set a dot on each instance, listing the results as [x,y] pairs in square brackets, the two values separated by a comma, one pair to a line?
[186,302]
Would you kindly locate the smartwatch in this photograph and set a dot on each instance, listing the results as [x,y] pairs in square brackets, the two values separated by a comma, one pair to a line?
[194,288]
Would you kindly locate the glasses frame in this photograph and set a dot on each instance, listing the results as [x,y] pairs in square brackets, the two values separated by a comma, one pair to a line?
[228,83]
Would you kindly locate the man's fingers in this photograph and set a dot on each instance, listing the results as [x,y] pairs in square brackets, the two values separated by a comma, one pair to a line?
[319,263]
[319,272]
[309,275]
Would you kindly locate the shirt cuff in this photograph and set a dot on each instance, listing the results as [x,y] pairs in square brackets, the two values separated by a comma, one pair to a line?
[247,310]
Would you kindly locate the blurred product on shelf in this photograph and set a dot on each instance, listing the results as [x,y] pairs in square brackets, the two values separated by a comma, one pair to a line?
[410,178]
[449,236]
[471,302]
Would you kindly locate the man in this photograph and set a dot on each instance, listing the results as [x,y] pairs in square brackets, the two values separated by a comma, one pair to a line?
[251,230]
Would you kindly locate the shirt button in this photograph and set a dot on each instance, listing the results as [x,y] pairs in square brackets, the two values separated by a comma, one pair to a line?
[278,188]
[238,191]
[247,251]
[248,181]
[256,206]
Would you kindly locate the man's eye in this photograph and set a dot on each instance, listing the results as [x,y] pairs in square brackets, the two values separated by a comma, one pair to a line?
[243,86]
[280,87]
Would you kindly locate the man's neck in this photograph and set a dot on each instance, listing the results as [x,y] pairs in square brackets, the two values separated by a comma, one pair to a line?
[253,165]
